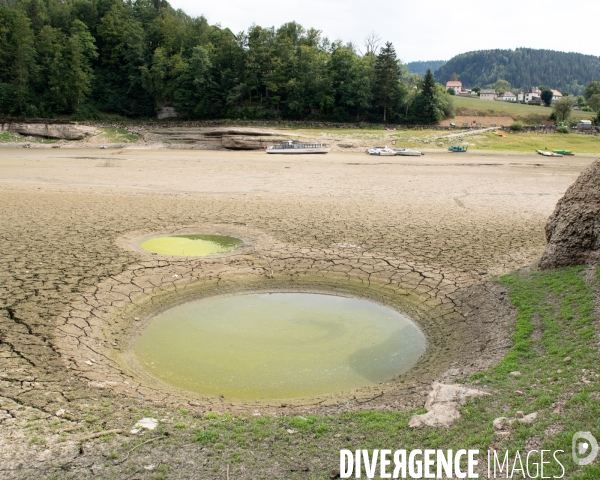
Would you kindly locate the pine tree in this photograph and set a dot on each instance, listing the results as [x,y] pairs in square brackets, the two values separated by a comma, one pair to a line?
[429,111]
[387,76]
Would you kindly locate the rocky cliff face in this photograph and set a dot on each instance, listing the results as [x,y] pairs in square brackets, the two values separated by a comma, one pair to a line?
[573,230]
[228,138]
[59,131]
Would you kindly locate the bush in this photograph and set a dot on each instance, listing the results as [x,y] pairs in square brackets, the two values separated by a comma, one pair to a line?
[517,126]
[562,130]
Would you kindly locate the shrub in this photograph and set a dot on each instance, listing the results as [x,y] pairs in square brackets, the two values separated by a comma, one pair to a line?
[517,126]
[562,130]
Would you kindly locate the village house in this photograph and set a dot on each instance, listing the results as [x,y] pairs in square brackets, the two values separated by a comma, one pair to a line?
[521,97]
[455,84]
[556,95]
[533,96]
[487,94]
[508,96]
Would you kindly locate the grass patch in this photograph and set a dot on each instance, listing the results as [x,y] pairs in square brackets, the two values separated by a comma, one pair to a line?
[434,139]
[529,142]
[528,114]
[7,137]
[117,135]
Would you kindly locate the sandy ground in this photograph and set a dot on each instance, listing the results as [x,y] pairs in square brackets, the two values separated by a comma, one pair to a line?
[423,235]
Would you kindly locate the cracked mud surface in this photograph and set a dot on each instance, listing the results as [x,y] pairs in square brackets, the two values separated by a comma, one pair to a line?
[424,236]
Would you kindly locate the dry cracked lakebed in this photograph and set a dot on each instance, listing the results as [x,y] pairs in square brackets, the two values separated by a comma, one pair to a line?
[426,239]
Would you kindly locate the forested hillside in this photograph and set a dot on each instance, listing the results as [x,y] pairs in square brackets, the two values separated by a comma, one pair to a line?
[523,68]
[83,57]
[421,67]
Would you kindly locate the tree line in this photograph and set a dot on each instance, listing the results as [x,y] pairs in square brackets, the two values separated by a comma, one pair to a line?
[523,68]
[130,57]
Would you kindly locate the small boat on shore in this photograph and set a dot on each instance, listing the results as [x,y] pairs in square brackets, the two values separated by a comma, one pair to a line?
[548,154]
[455,148]
[383,151]
[293,147]
[407,152]
[563,152]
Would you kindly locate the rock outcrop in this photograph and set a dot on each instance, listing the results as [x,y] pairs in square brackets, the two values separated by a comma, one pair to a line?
[443,405]
[220,138]
[573,230]
[51,130]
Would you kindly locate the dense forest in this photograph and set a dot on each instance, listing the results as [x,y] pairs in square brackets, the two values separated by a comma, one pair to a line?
[83,57]
[421,67]
[523,68]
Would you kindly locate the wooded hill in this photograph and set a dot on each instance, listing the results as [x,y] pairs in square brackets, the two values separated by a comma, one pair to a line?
[523,68]
[130,57]
[421,67]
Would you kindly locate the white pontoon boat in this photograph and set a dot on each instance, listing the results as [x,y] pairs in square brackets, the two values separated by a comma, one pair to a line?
[292,147]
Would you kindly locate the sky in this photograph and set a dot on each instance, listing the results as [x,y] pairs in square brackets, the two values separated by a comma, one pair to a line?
[422,29]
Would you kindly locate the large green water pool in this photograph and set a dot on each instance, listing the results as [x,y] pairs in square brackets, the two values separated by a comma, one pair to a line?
[278,345]
[192,245]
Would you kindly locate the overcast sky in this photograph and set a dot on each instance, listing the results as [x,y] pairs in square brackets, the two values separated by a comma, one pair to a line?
[422,29]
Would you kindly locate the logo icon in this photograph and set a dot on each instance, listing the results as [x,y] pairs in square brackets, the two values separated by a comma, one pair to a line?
[585,448]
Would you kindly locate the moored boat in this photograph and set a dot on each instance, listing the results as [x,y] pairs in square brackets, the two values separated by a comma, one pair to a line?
[455,148]
[563,152]
[407,152]
[292,147]
[383,151]
[548,154]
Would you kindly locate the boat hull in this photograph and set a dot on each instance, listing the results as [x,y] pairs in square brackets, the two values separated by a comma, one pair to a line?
[383,154]
[298,151]
[408,153]
[548,154]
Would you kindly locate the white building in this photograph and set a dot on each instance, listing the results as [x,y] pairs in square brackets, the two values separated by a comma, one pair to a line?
[508,97]
[521,96]
[556,95]
[533,95]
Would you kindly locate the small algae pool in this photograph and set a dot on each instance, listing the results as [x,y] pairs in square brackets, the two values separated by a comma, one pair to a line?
[278,345]
[192,245]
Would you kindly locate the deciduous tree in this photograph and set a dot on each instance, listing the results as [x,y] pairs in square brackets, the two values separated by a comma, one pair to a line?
[592,89]
[563,108]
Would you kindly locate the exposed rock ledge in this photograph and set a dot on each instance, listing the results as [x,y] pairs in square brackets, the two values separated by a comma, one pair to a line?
[58,131]
[573,230]
[443,405]
[221,138]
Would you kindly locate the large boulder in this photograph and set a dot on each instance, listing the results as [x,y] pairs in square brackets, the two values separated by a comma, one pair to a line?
[53,130]
[573,230]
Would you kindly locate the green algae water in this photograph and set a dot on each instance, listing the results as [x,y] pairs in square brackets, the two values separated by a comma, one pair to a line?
[278,345]
[192,245]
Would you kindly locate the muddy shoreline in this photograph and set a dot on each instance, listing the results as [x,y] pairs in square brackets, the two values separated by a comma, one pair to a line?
[426,238]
